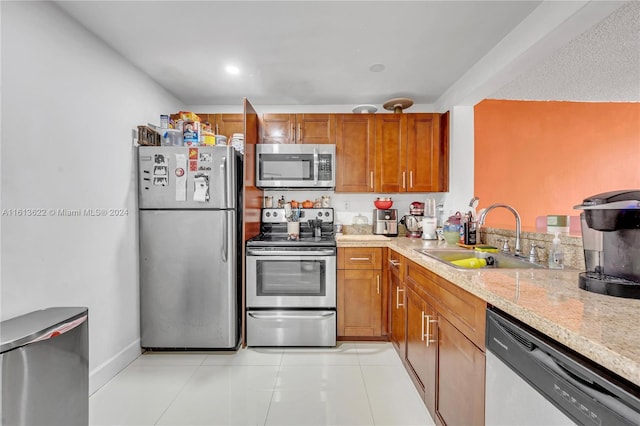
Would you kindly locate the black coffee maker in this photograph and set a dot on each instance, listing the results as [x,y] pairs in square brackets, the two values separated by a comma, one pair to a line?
[611,240]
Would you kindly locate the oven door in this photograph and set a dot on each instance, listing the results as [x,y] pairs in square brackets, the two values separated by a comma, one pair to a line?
[291,278]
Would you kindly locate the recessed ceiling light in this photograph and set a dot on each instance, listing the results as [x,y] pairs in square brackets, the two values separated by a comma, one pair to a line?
[232,69]
[376,68]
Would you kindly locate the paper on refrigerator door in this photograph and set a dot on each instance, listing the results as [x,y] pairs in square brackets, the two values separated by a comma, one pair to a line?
[181,177]
[201,190]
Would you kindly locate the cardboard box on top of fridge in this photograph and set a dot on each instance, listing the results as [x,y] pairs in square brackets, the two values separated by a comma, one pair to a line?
[191,132]
[189,116]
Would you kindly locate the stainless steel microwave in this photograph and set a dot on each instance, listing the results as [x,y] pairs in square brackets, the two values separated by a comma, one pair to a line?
[296,166]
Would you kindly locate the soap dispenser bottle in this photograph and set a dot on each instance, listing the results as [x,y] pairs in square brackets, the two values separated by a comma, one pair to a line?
[556,255]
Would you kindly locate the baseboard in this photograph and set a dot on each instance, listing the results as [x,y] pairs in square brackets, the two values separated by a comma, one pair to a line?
[100,375]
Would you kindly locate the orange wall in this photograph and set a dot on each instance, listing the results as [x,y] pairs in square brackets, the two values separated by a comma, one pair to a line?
[545,157]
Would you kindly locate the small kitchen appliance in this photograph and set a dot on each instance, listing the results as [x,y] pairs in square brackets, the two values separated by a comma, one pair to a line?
[429,220]
[416,208]
[413,225]
[385,222]
[611,240]
[291,284]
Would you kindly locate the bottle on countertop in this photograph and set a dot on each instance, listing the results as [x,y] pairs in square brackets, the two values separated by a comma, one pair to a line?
[470,233]
[556,254]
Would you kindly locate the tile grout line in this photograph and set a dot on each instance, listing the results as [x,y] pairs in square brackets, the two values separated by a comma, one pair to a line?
[273,390]
[364,382]
[179,391]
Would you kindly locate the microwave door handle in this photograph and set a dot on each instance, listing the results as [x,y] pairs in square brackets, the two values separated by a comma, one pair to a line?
[315,166]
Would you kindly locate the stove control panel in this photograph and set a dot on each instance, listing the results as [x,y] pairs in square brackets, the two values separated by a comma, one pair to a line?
[279,215]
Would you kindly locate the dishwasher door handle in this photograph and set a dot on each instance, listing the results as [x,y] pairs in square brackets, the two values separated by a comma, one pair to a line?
[584,385]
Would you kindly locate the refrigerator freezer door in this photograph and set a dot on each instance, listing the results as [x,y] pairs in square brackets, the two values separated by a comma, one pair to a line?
[188,279]
[203,177]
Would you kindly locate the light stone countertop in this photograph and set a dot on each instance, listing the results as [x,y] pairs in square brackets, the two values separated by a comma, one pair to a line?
[605,329]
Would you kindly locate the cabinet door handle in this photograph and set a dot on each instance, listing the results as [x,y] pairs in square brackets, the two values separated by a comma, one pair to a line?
[411,179]
[422,333]
[429,322]
[378,282]
[371,179]
[404,180]
[299,133]
[359,258]
[398,304]
[217,130]
[293,134]
[394,262]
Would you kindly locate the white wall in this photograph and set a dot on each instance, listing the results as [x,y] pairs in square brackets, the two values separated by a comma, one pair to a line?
[461,159]
[69,104]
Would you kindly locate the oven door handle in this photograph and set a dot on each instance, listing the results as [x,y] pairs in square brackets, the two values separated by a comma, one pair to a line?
[279,316]
[291,253]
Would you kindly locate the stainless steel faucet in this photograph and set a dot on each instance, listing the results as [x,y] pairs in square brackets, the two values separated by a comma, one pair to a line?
[483,216]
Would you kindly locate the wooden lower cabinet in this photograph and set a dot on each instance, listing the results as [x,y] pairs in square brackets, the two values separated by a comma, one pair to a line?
[438,330]
[461,376]
[397,309]
[360,292]
[359,302]
[422,342]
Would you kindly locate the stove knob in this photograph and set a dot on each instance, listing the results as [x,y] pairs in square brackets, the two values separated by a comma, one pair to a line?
[267,214]
[387,217]
[319,214]
[326,214]
[275,214]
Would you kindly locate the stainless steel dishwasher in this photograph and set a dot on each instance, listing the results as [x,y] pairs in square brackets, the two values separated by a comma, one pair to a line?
[533,380]
[45,368]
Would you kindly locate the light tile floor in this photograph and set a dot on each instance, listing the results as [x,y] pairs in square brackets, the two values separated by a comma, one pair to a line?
[360,383]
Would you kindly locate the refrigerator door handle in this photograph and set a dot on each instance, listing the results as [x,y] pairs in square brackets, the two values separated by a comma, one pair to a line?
[225,238]
[223,172]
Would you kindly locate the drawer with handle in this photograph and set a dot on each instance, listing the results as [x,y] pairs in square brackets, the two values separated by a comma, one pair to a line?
[360,258]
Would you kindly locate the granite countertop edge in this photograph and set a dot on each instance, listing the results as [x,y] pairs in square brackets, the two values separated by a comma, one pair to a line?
[601,328]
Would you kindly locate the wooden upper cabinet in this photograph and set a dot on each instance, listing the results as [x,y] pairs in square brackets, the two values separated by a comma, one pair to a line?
[224,124]
[316,128]
[298,128]
[355,152]
[391,152]
[277,128]
[411,153]
[228,124]
[423,153]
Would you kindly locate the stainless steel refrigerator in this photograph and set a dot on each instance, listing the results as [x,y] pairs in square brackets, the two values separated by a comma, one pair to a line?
[188,201]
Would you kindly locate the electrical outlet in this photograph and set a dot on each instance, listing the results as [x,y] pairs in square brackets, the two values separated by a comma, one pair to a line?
[347,206]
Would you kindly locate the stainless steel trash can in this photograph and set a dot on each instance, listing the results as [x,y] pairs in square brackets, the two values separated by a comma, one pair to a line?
[44,359]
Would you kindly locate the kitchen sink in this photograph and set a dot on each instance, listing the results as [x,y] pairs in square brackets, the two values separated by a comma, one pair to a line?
[502,260]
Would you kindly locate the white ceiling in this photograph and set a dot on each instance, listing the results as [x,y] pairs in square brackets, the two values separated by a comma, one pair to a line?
[320,52]
[601,64]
